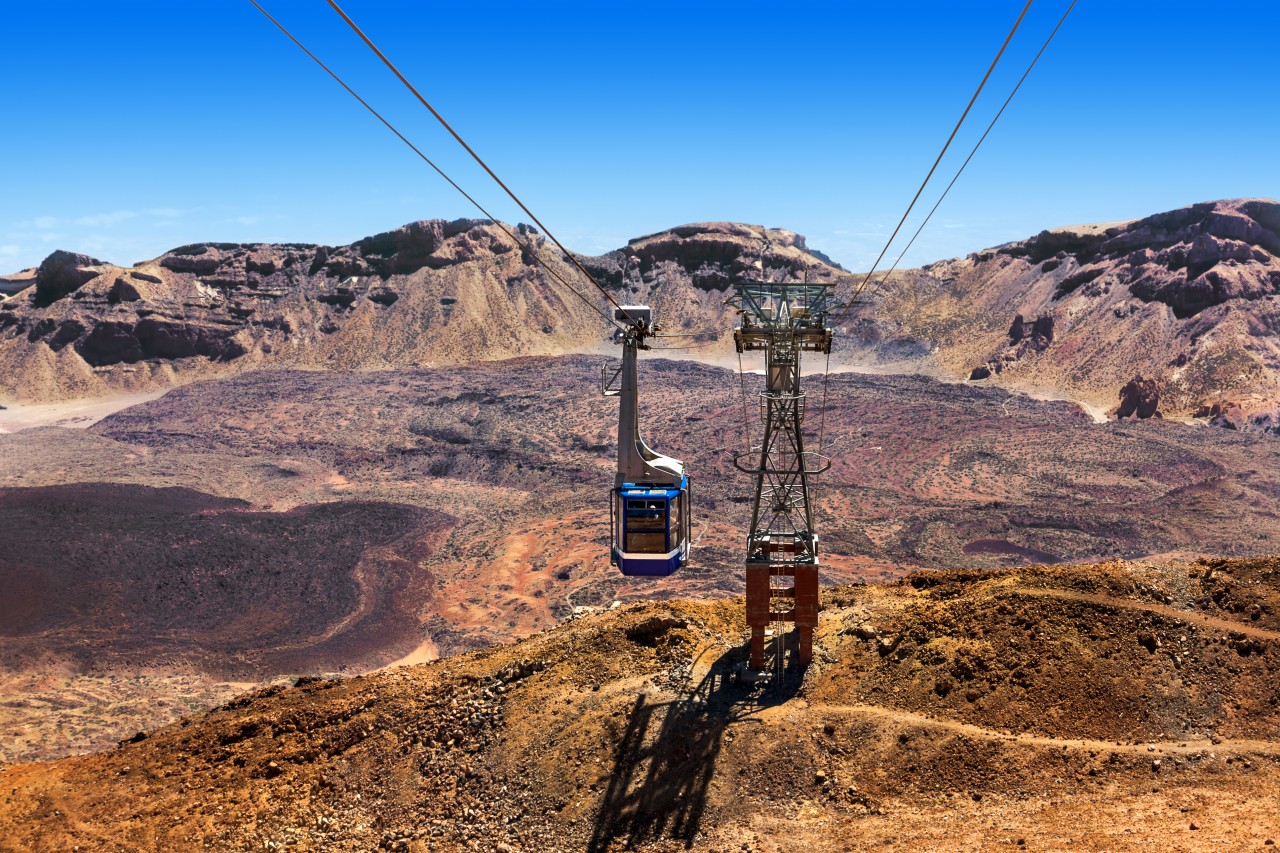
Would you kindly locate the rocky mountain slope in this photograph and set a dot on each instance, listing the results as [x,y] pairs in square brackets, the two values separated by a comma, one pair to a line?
[1111,707]
[1175,313]
[429,293]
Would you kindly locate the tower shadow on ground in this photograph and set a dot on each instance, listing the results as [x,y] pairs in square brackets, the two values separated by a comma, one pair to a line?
[667,755]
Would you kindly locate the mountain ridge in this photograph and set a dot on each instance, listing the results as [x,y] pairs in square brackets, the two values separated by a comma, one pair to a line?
[1176,313]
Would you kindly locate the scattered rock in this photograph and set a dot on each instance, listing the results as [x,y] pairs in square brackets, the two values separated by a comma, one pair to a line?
[383,296]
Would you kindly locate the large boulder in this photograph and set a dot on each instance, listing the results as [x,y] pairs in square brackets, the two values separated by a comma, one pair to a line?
[63,273]
[1140,397]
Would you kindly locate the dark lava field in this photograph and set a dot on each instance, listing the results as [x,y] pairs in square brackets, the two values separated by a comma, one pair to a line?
[338,521]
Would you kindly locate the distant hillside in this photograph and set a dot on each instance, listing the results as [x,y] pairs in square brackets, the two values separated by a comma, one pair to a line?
[1176,313]
[1179,311]
[430,293]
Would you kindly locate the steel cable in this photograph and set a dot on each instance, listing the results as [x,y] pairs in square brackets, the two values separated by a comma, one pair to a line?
[934,167]
[396,71]
[528,247]
[912,241]
[746,417]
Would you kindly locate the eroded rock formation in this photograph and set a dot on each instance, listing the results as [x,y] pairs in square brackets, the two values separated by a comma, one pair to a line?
[430,292]
[1139,398]
[1188,298]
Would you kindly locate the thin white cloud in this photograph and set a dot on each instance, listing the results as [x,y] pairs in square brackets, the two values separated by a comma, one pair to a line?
[43,222]
[105,220]
[9,249]
[164,212]
[248,220]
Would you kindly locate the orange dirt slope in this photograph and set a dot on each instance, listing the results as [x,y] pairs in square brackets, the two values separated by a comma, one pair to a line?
[1119,706]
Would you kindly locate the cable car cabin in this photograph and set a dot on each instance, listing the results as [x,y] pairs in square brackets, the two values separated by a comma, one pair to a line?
[650,528]
[649,505]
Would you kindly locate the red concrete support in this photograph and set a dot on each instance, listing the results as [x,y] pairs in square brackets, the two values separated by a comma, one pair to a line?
[803,611]
[757,611]
[806,612]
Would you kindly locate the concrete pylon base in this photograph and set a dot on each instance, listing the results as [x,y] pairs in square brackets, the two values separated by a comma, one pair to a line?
[802,595]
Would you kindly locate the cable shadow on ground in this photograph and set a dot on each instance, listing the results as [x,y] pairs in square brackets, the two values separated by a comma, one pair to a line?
[666,757]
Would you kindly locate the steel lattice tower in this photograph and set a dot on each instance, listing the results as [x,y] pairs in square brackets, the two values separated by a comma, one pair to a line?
[784,319]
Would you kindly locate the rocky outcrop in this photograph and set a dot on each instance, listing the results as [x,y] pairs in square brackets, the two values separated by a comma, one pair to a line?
[1189,299]
[1189,259]
[712,256]
[63,273]
[1024,338]
[1139,398]
[1245,415]
[1036,334]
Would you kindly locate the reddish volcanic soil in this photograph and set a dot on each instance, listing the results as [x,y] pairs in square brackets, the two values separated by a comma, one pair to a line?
[1117,707]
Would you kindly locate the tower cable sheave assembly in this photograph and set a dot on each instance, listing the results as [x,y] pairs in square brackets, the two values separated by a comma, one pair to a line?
[783,319]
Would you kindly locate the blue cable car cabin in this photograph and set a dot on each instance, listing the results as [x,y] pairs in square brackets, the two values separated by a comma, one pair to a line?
[650,528]
[649,511]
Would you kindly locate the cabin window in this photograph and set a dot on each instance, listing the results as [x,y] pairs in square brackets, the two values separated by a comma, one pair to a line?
[646,527]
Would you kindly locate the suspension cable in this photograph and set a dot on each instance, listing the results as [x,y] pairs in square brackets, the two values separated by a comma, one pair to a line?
[746,417]
[822,419]
[934,167]
[396,71]
[880,281]
[527,246]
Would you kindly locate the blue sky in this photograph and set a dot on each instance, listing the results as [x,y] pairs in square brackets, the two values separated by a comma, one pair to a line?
[134,127]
